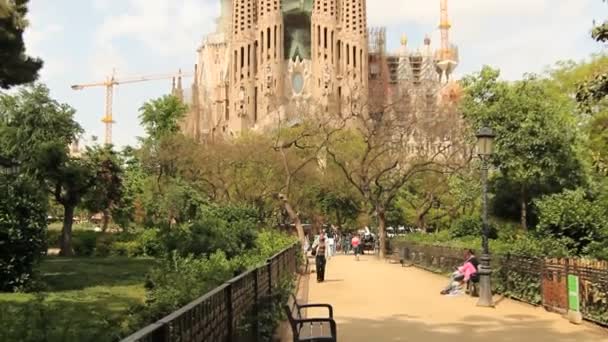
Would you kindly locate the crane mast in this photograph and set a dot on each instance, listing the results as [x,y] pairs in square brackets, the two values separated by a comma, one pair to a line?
[445,26]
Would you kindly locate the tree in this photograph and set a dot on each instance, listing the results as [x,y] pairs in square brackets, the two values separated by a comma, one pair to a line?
[69,179]
[106,193]
[535,133]
[299,148]
[15,66]
[161,117]
[378,158]
[36,131]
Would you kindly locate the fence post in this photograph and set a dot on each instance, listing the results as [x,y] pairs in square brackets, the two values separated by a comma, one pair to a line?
[163,334]
[543,274]
[256,303]
[269,265]
[230,309]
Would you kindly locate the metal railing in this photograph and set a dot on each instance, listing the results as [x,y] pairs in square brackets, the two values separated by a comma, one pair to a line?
[216,316]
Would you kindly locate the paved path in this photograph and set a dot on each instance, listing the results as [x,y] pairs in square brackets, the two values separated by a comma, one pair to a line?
[377,301]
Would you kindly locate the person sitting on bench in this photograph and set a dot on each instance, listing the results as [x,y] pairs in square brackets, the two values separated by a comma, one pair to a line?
[462,275]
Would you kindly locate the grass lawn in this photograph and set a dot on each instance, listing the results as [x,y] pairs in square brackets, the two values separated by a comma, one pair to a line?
[87,299]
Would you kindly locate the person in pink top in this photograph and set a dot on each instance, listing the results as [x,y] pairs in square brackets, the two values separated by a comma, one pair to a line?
[355,243]
[463,273]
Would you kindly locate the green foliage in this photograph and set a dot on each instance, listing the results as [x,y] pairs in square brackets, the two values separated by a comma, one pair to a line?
[15,66]
[32,124]
[178,280]
[535,133]
[85,299]
[525,245]
[133,181]
[160,117]
[22,231]
[573,216]
[229,229]
[522,285]
[181,279]
[471,226]
[269,313]
[85,242]
[150,242]
[178,202]
[43,320]
[107,190]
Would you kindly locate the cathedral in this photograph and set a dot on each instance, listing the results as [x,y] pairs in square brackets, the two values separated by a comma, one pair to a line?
[272,61]
[269,59]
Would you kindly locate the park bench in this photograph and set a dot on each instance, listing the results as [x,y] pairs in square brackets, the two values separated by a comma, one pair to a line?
[317,329]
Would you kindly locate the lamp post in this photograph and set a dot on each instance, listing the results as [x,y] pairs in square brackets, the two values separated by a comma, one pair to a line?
[485,140]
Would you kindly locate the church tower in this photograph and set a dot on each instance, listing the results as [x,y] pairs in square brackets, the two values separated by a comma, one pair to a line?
[243,65]
[353,54]
[325,47]
[270,50]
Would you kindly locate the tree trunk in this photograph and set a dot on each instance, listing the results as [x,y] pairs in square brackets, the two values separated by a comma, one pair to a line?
[106,220]
[66,233]
[381,231]
[339,219]
[294,218]
[420,222]
[524,210]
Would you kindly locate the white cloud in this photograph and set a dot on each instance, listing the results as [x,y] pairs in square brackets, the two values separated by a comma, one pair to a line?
[37,36]
[166,27]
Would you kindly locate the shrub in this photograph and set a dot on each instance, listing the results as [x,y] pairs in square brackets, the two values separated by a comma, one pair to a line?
[126,248]
[571,215]
[471,226]
[212,231]
[84,242]
[179,280]
[52,238]
[103,245]
[22,231]
[150,242]
[597,250]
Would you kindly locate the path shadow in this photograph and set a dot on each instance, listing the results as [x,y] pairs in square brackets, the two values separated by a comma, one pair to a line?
[470,329]
[333,280]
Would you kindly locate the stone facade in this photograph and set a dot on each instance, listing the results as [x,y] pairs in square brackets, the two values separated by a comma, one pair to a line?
[272,61]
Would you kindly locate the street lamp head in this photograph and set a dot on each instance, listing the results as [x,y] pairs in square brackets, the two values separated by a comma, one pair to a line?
[485,141]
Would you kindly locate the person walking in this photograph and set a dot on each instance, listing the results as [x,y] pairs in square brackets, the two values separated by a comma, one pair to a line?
[322,250]
[356,244]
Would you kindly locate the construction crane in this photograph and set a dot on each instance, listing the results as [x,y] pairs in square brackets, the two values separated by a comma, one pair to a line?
[111,82]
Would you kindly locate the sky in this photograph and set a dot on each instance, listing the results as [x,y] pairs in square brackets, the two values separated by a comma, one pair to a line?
[82,41]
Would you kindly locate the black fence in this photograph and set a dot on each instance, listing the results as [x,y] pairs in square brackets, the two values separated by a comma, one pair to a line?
[538,281]
[216,316]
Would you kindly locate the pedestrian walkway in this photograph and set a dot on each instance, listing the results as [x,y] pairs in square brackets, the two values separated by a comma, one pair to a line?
[377,301]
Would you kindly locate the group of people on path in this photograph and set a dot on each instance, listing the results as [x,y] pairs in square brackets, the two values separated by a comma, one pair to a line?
[324,247]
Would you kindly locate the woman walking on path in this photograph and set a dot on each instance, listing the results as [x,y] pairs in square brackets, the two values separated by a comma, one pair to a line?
[321,254]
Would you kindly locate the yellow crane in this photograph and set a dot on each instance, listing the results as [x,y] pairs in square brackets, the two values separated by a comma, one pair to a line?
[110,83]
